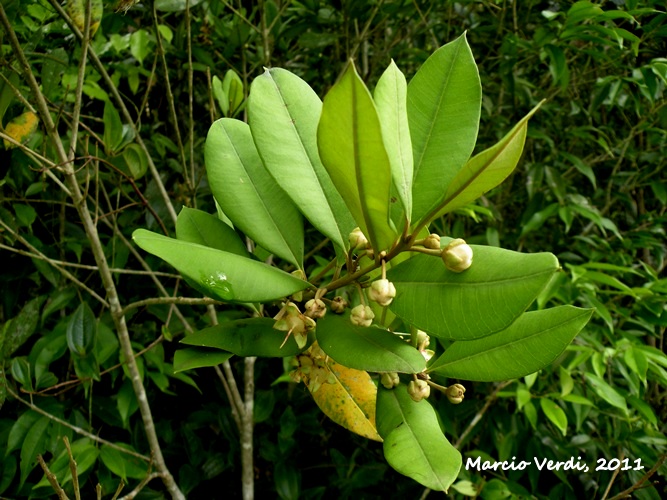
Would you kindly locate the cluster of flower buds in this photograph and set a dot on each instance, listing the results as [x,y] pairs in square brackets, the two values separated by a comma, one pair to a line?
[290,320]
[362,315]
[457,255]
[382,291]
[455,393]
[389,380]
[419,389]
[311,368]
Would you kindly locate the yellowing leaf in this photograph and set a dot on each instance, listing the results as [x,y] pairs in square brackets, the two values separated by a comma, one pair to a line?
[345,395]
[77,11]
[21,128]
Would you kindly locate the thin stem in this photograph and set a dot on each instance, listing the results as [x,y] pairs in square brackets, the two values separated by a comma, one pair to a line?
[248,473]
[72,469]
[184,301]
[191,138]
[489,401]
[53,480]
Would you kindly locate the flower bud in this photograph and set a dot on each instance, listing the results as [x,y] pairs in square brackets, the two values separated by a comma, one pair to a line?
[382,291]
[339,304]
[389,380]
[432,241]
[315,308]
[427,353]
[298,296]
[457,256]
[358,240]
[418,390]
[362,315]
[423,340]
[455,393]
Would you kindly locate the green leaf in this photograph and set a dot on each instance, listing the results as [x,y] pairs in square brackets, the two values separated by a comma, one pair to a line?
[554,413]
[351,146]
[20,328]
[85,453]
[20,429]
[606,392]
[487,169]
[22,372]
[33,445]
[366,348]
[486,298]
[196,226]
[122,464]
[284,113]
[140,42]
[198,357]
[113,128]
[444,103]
[232,86]
[390,97]
[220,95]
[246,337]
[248,195]
[413,444]
[82,330]
[220,275]
[136,160]
[174,5]
[529,344]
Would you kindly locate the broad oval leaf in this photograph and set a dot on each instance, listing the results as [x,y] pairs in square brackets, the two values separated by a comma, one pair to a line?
[529,344]
[413,444]
[246,337]
[196,226]
[366,348]
[351,146]
[348,396]
[390,97]
[487,169]
[82,330]
[486,298]
[198,357]
[221,275]
[284,112]
[444,104]
[248,194]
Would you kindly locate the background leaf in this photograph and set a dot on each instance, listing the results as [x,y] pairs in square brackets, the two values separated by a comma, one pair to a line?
[529,344]
[196,226]
[457,305]
[352,150]
[444,100]
[284,113]
[198,357]
[248,194]
[221,275]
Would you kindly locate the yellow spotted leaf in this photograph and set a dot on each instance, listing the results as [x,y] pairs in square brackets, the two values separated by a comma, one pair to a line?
[21,128]
[77,11]
[345,395]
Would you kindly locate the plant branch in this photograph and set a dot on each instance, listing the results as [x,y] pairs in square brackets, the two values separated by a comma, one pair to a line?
[184,301]
[53,480]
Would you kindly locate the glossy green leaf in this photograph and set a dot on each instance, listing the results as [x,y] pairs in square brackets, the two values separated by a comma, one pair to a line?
[351,146]
[248,194]
[606,392]
[413,444]
[444,103]
[122,464]
[221,275]
[20,429]
[22,372]
[484,299]
[196,226]
[390,97]
[529,344]
[198,357]
[554,413]
[33,444]
[246,337]
[487,169]
[366,348]
[82,330]
[284,113]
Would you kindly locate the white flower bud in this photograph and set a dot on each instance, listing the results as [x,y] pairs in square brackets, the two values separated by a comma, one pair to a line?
[389,380]
[339,304]
[457,256]
[362,315]
[432,241]
[455,393]
[315,308]
[382,291]
[418,390]
[358,240]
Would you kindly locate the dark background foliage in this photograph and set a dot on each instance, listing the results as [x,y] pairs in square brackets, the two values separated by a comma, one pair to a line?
[591,188]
